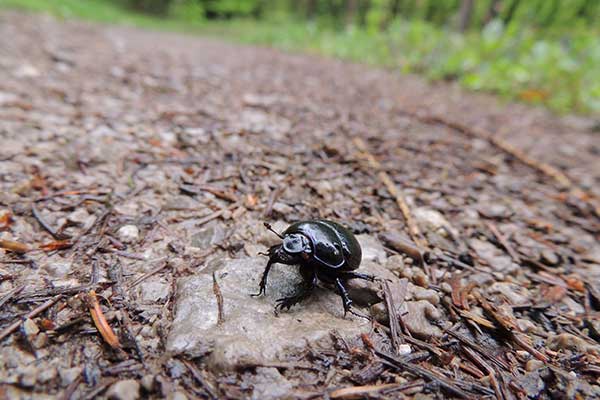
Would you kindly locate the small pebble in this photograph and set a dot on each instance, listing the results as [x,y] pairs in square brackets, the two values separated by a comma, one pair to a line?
[404,349]
[128,389]
[148,383]
[550,258]
[128,233]
[533,365]
[420,279]
[177,396]
[30,328]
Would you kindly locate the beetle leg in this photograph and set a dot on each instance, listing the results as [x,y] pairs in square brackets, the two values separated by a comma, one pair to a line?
[263,280]
[303,293]
[358,275]
[344,295]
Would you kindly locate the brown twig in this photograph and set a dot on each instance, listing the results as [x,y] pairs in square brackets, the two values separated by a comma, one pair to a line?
[15,247]
[499,143]
[275,193]
[10,295]
[100,321]
[361,392]
[413,228]
[33,313]
[147,275]
[393,308]
[442,381]
[504,242]
[216,214]
[198,376]
[219,296]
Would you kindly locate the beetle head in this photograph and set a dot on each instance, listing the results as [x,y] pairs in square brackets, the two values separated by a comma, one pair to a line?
[294,249]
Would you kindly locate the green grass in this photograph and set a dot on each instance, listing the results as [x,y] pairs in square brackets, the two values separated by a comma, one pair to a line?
[558,69]
[105,11]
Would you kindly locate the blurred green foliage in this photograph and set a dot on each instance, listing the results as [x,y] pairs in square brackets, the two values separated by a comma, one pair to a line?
[538,51]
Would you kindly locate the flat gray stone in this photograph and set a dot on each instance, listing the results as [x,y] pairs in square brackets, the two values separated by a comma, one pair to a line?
[251,332]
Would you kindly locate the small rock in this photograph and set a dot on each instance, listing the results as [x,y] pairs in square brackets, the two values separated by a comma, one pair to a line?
[47,374]
[379,312]
[372,249]
[414,292]
[30,328]
[531,382]
[515,294]
[395,263]
[494,210]
[433,221]
[208,236]
[251,332]
[269,384]
[282,209]
[29,376]
[128,389]
[568,341]
[404,349]
[68,375]
[177,396]
[148,383]
[79,216]
[499,261]
[418,319]
[59,268]
[128,233]
[154,292]
[420,279]
[550,258]
[534,365]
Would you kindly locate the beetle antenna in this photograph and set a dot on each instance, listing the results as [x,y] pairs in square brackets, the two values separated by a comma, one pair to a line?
[268,226]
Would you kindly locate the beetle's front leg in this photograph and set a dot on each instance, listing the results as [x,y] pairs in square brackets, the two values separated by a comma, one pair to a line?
[263,280]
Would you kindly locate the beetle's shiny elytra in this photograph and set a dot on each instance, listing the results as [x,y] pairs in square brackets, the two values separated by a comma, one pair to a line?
[324,250]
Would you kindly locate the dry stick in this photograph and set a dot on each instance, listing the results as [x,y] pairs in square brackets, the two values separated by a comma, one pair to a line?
[275,193]
[145,276]
[15,247]
[217,214]
[360,392]
[10,295]
[68,393]
[33,313]
[413,228]
[421,372]
[494,140]
[100,320]
[468,342]
[393,315]
[219,296]
[477,359]
[46,226]
[198,376]
[504,242]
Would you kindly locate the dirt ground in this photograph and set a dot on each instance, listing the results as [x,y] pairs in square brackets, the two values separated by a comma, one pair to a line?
[136,169]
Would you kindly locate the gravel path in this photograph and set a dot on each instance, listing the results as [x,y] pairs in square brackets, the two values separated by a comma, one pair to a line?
[140,166]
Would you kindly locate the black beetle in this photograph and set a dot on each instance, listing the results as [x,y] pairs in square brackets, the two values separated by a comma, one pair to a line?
[324,250]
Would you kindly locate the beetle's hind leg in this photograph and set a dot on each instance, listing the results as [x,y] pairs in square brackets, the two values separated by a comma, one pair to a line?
[357,275]
[302,294]
[344,295]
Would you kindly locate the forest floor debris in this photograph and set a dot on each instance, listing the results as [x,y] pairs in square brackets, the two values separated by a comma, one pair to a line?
[135,180]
